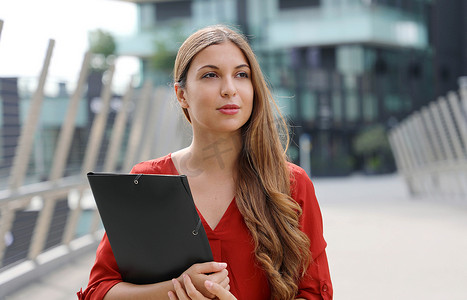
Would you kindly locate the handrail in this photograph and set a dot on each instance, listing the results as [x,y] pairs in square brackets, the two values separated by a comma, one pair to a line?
[430,147]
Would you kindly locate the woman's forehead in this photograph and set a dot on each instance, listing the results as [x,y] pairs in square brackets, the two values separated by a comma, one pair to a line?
[226,52]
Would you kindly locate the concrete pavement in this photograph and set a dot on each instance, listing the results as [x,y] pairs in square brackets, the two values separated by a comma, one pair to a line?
[382,245]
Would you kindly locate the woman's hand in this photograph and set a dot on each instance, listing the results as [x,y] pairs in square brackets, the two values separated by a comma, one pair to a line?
[198,275]
[191,293]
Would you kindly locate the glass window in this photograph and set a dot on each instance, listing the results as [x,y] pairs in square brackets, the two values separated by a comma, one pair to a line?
[369,107]
[287,4]
[308,106]
[337,106]
[351,105]
[166,11]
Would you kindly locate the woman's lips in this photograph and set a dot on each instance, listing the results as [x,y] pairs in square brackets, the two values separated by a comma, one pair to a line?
[229,109]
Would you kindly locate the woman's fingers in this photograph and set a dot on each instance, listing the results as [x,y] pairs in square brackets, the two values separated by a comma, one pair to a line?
[219,291]
[190,292]
[219,277]
[179,291]
[172,296]
[225,283]
[209,267]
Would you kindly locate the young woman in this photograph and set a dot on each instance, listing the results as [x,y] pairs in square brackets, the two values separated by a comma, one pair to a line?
[259,211]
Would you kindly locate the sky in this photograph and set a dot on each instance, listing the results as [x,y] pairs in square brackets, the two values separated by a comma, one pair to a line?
[29,24]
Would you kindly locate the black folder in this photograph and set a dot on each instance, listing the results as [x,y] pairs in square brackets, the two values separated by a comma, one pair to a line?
[152,224]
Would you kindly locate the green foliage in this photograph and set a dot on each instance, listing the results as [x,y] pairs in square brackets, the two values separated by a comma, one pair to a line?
[371,140]
[166,46]
[373,146]
[102,45]
[163,59]
[101,42]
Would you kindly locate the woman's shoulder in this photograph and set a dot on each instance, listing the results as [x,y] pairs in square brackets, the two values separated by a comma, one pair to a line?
[301,185]
[161,165]
[297,173]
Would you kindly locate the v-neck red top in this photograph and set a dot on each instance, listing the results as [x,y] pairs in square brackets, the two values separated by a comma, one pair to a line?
[231,242]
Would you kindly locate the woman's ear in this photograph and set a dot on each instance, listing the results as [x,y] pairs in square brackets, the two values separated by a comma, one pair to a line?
[181,95]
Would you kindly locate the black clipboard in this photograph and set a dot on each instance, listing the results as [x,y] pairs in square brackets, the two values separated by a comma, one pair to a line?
[152,224]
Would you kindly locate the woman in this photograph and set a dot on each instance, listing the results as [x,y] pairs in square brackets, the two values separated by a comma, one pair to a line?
[260,212]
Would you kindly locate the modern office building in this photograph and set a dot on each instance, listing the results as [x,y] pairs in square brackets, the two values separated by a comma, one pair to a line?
[337,67]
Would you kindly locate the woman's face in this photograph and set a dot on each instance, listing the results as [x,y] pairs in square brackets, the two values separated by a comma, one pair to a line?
[218,92]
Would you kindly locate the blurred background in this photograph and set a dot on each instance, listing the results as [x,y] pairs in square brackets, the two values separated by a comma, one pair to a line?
[375,92]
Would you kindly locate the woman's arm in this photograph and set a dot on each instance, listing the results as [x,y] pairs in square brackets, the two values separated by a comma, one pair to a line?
[316,284]
[105,279]
[217,273]
[125,290]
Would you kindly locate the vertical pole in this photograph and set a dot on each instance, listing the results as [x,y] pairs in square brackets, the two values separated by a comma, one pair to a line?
[95,139]
[1,27]
[155,119]
[137,127]
[451,130]
[427,149]
[66,133]
[26,139]
[98,126]
[399,140]
[165,138]
[444,143]
[118,131]
[64,144]
[6,221]
[460,118]
[427,119]
[400,163]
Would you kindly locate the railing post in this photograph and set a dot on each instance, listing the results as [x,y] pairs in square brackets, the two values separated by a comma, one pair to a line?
[155,120]
[438,123]
[137,127]
[64,144]
[1,27]
[6,221]
[460,118]
[400,164]
[117,131]
[427,119]
[66,133]
[410,156]
[405,157]
[23,152]
[98,126]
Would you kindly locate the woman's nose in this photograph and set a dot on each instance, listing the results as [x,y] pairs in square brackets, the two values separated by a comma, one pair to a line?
[228,88]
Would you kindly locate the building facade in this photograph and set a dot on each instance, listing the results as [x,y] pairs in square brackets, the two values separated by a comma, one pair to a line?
[338,68]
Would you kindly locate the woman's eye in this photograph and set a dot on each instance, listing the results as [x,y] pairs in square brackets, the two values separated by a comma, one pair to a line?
[209,75]
[243,75]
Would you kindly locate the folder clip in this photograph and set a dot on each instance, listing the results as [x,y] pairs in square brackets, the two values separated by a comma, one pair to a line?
[196,230]
[136,179]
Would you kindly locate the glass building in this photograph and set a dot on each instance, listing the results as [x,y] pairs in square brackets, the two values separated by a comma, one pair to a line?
[337,67]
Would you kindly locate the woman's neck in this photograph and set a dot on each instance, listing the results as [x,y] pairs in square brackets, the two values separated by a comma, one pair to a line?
[216,154]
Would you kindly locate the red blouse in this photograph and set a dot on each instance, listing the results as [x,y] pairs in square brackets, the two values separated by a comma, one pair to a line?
[231,243]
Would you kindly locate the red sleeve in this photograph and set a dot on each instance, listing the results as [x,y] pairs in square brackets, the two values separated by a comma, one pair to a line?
[104,273]
[317,281]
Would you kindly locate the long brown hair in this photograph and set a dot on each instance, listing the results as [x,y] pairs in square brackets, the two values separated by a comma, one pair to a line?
[263,182]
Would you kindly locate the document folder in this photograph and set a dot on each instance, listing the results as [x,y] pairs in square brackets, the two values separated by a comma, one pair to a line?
[152,224]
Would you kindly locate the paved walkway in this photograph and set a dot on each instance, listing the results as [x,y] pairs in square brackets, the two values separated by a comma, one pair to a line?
[382,245]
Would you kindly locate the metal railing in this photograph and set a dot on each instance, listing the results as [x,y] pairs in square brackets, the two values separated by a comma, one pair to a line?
[430,147]
[46,222]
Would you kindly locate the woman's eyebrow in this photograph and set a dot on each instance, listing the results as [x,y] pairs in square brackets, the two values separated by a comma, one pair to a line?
[208,67]
[217,68]
[242,66]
